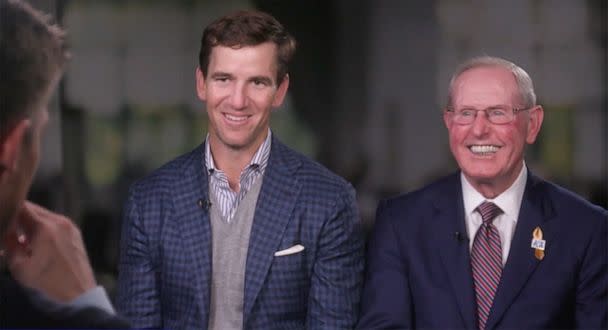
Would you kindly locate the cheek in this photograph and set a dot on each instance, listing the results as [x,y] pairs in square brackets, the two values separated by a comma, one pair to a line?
[457,136]
[261,102]
[38,135]
[215,95]
[34,154]
[515,137]
[263,99]
[458,148]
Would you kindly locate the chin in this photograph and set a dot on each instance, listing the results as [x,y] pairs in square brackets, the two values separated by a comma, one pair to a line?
[237,144]
[232,139]
[480,174]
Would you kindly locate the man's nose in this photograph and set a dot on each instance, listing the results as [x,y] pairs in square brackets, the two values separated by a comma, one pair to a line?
[238,98]
[481,124]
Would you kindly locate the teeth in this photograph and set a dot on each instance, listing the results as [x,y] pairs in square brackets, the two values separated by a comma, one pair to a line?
[236,118]
[484,149]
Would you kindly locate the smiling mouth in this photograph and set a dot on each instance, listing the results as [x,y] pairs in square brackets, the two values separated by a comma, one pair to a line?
[484,150]
[236,119]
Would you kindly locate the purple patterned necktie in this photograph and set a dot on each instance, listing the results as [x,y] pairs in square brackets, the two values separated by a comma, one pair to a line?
[486,261]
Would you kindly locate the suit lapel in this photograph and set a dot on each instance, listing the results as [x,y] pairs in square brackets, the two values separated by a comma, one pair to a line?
[454,248]
[536,209]
[191,187]
[278,196]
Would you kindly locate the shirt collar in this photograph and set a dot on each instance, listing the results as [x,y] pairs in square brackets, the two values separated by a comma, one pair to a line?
[259,159]
[509,201]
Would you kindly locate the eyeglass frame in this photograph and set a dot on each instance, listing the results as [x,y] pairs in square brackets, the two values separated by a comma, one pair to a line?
[514,112]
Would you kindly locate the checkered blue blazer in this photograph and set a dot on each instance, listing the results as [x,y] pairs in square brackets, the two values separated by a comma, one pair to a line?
[165,255]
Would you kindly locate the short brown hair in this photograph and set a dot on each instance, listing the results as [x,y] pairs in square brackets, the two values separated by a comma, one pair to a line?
[248,28]
[32,51]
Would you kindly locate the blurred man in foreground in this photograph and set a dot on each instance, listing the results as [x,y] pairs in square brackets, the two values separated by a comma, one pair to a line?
[50,281]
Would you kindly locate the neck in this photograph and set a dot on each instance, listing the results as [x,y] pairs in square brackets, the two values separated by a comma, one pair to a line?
[232,161]
[488,190]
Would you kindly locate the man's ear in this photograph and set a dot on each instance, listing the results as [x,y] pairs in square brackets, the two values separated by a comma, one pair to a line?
[281,92]
[535,121]
[201,88]
[12,143]
[446,119]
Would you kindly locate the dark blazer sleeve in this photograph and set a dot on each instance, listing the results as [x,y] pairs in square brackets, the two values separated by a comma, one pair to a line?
[386,301]
[592,289]
[336,281]
[24,308]
[138,296]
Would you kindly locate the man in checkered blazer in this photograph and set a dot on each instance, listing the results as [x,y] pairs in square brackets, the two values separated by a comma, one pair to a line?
[242,232]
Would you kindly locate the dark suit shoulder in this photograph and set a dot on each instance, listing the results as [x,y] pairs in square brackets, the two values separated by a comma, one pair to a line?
[568,204]
[309,172]
[163,177]
[445,187]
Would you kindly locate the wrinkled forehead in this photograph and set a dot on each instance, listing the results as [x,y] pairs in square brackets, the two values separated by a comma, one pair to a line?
[485,86]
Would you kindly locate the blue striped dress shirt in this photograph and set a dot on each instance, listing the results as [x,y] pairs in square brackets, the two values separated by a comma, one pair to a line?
[228,199]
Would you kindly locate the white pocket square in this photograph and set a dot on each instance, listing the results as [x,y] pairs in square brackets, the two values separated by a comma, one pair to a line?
[294,249]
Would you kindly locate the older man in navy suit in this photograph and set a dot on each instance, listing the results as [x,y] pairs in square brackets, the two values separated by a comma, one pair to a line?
[242,232]
[492,246]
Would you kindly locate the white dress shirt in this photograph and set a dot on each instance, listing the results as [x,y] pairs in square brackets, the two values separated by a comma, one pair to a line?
[509,202]
[95,297]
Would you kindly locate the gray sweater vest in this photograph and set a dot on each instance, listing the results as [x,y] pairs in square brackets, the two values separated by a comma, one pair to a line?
[230,242]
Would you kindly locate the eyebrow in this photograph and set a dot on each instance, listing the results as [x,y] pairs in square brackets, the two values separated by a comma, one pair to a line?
[488,107]
[263,79]
[220,74]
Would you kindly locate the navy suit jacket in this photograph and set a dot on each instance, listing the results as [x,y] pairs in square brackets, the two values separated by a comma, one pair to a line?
[24,308]
[419,274]
[165,261]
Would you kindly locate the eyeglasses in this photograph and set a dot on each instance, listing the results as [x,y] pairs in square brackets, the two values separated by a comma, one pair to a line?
[498,115]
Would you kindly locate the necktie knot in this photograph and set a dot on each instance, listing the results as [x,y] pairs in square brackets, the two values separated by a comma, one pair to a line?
[488,211]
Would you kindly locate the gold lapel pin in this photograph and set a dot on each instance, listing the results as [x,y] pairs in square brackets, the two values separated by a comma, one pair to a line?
[538,243]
